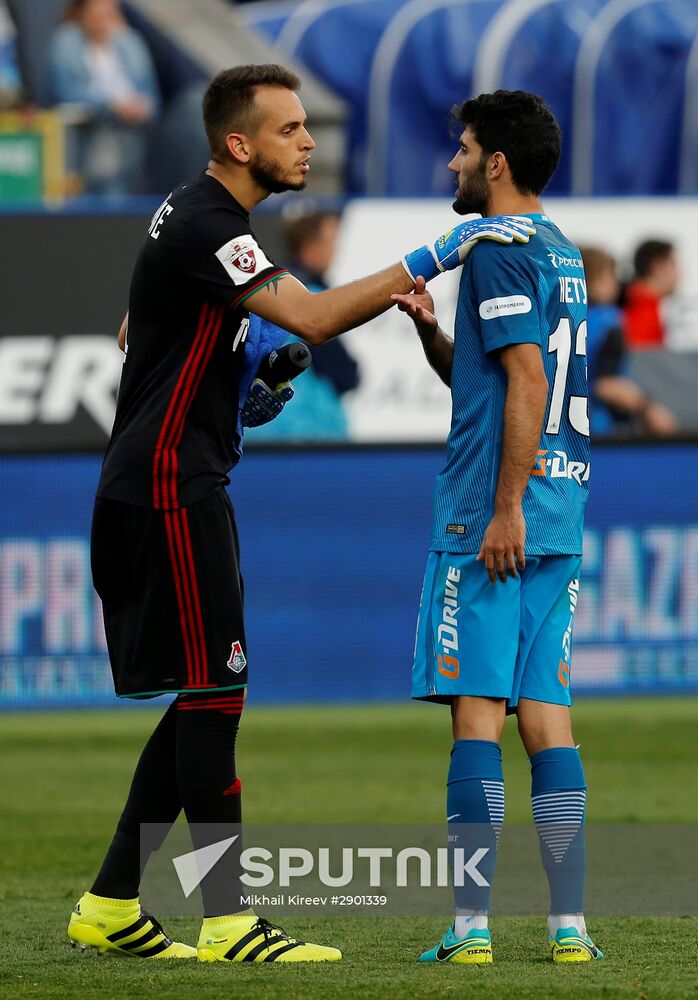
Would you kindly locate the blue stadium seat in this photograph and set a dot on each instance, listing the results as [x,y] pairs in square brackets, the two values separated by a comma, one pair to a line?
[612,70]
[337,42]
[424,64]
[629,97]
[533,45]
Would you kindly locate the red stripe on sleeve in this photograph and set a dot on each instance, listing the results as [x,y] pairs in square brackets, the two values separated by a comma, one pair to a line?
[259,284]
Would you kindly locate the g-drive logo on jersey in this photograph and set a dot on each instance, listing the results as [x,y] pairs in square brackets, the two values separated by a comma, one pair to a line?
[449,664]
[242,258]
[560,467]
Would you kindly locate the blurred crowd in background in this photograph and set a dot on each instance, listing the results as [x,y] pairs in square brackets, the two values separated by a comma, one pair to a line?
[99,72]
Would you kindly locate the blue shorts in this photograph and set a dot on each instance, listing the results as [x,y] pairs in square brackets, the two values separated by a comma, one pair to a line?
[497,640]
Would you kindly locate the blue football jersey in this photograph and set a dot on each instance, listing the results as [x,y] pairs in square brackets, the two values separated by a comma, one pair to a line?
[532,293]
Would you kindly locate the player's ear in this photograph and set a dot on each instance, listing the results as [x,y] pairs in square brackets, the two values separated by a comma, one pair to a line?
[496,166]
[238,147]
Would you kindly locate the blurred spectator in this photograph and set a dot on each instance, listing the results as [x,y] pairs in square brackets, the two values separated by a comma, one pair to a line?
[99,63]
[316,413]
[656,277]
[616,403]
[312,244]
[10,81]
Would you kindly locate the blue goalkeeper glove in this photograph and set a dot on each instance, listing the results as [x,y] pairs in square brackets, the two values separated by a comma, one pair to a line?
[451,249]
[264,404]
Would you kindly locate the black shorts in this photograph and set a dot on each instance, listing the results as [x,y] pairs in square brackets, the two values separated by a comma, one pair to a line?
[172,596]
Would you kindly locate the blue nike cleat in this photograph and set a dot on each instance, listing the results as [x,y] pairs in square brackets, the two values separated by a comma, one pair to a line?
[474,949]
[569,945]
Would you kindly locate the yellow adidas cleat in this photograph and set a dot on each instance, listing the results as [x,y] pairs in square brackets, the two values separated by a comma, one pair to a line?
[252,939]
[121,926]
[569,945]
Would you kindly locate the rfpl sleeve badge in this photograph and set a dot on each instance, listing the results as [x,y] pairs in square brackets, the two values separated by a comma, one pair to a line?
[242,258]
[237,661]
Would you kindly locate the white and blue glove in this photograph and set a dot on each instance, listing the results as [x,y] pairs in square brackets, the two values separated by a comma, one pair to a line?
[264,404]
[451,249]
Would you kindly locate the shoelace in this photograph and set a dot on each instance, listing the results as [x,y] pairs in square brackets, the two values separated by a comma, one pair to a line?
[273,931]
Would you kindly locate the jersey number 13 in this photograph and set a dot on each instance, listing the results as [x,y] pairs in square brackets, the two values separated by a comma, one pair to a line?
[560,343]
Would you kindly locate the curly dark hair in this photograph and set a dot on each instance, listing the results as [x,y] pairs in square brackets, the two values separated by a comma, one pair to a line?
[229,101]
[521,126]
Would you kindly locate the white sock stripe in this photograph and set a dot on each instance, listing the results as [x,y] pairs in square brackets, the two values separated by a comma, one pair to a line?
[549,803]
[572,810]
[555,806]
[575,807]
[558,816]
[578,794]
[559,807]
[494,795]
[549,815]
[550,829]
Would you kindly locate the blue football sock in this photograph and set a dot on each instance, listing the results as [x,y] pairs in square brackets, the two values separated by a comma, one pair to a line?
[558,797]
[475,811]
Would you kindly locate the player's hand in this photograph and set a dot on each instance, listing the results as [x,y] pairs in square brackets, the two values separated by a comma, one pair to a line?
[502,548]
[451,249]
[264,404]
[419,306]
[659,420]
[132,110]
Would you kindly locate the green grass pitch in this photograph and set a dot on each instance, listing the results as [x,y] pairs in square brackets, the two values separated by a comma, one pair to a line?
[64,777]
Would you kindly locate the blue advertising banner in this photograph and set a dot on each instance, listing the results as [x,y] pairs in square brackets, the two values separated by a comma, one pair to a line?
[333,553]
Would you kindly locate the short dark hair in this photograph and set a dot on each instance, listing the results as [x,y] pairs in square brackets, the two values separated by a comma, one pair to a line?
[301,230]
[229,101]
[521,126]
[650,253]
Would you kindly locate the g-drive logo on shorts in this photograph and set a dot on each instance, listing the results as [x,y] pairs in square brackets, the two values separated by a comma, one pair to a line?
[447,634]
[563,669]
[242,258]
[237,661]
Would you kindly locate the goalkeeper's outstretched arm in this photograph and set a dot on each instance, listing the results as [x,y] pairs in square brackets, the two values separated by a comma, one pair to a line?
[317,317]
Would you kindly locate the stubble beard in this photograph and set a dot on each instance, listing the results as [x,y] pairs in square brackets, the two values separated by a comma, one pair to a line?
[474,195]
[269,175]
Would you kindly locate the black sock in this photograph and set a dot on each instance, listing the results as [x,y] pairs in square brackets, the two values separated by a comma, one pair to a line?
[154,798]
[210,789]
[188,762]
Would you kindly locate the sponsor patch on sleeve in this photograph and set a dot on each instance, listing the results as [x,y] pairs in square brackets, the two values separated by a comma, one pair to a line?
[242,258]
[506,305]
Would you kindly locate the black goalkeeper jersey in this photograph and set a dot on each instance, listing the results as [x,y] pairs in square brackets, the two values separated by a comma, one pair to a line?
[175,435]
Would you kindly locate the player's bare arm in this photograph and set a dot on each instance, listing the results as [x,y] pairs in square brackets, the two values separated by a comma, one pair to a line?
[123,330]
[438,347]
[319,316]
[527,394]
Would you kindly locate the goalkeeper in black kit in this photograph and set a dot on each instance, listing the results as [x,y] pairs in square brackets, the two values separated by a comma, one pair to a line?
[165,554]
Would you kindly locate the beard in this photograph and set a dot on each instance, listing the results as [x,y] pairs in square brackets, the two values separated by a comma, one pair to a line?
[473,195]
[269,174]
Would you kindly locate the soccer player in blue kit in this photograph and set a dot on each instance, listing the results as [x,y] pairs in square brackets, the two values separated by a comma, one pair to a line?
[502,578]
